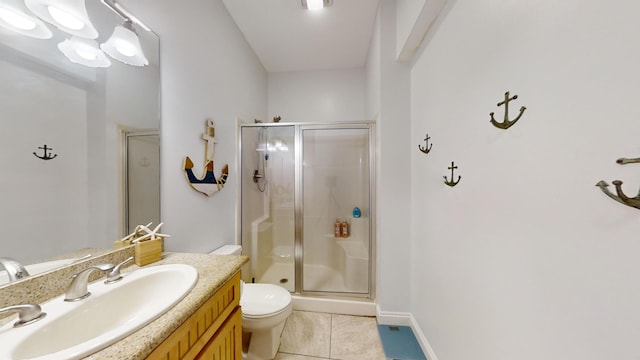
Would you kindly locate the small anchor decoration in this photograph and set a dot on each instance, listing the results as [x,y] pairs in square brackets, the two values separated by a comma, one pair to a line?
[451,182]
[208,184]
[621,197]
[426,148]
[507,123]
[47,154]
[144,162]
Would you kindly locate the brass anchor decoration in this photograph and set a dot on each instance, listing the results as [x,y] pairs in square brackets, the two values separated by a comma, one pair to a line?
[47,155]
[507,123]
[426,148]
[621,197]
[451,182]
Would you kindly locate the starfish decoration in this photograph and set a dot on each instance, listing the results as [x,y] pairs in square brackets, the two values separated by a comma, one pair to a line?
[142,232]
[150,234]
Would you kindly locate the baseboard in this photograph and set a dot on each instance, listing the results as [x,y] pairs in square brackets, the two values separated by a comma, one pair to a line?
[406,319]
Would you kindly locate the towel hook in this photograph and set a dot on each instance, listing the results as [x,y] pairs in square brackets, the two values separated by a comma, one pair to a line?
[426,148]
[621,197]
[451,182]
[507,123]
[47,154]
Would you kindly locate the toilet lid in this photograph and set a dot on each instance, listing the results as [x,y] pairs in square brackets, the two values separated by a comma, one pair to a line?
[263,299]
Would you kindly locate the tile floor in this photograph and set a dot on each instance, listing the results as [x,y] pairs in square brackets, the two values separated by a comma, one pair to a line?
[311,335]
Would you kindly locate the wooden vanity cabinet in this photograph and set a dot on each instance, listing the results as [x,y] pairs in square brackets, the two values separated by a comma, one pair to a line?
[213,332]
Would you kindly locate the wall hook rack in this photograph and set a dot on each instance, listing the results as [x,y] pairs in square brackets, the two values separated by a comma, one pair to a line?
[506,123]
[46,153]
[451,182]
[623,161]
[426,148]
[621,197]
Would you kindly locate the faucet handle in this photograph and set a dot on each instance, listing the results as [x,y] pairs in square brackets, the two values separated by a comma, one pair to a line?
[78,289]
[114,275]
[27,313]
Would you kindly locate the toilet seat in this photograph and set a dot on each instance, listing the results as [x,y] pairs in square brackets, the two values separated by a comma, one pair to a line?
[263,300]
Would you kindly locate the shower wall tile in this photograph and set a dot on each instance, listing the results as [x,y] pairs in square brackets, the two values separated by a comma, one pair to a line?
[307,333]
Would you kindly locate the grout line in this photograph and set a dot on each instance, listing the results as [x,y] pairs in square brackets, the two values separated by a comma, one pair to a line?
[330,335]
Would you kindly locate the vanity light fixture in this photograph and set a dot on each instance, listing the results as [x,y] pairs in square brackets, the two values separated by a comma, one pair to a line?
[124,45]
[69,16]
[316,4]
[84,51]
[16,17]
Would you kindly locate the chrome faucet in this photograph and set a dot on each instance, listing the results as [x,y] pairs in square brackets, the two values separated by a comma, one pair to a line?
[114,275]
[27,313]
[15,270]
[77,289]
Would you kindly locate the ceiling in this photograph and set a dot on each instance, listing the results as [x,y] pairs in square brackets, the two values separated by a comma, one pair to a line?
[285,37]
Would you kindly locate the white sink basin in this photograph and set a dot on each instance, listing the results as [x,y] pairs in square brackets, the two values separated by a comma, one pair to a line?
[38,268]
[72,330]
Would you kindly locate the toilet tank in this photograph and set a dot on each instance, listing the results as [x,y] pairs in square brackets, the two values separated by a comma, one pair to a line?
[228,250]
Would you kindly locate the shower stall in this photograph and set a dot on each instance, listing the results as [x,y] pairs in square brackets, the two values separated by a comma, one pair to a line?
[299,183]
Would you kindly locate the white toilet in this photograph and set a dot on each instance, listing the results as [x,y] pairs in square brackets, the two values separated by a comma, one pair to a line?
[265,308]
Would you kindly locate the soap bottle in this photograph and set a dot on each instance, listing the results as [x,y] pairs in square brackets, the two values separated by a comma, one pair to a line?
[337,229]
[345,229]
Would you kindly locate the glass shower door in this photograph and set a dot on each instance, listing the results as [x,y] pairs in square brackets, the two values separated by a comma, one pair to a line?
[268,216]
[336,173]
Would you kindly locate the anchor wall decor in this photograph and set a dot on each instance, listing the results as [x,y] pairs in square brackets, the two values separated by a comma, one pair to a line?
[621,197]
[46,154]
[451,182]
[507,123]
[208,184]
[426,148]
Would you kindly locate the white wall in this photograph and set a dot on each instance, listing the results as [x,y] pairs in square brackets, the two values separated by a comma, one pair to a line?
[526,258]
[388,99]
[43,207]
[317,96]
[208,71]
[407,12]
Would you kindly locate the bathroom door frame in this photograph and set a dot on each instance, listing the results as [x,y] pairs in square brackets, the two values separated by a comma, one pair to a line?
[126,136]
[299,127]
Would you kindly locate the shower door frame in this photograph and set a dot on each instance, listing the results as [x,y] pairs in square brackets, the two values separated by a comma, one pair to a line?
[298,128]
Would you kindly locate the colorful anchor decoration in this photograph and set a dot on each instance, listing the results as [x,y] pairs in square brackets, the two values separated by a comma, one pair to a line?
[621,197]
[451,182]
[47,155]
[507,123]
[426,148]
[208,184]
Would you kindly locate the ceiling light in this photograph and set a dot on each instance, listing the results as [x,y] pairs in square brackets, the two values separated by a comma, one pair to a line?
[316,4]
[69,16]
[84,51]
[15,16]
[124,46]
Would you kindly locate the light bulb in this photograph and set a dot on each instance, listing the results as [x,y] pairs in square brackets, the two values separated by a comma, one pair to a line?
[17,20]
[65,18]
[86,54]
[125,48]
[315,4]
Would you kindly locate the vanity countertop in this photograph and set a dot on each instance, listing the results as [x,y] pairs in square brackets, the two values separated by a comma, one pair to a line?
[213,272]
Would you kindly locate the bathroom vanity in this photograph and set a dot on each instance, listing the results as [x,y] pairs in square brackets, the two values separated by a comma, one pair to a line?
[206,323]
[214,331]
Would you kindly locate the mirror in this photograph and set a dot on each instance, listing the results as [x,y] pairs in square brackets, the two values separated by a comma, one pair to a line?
[71,174]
